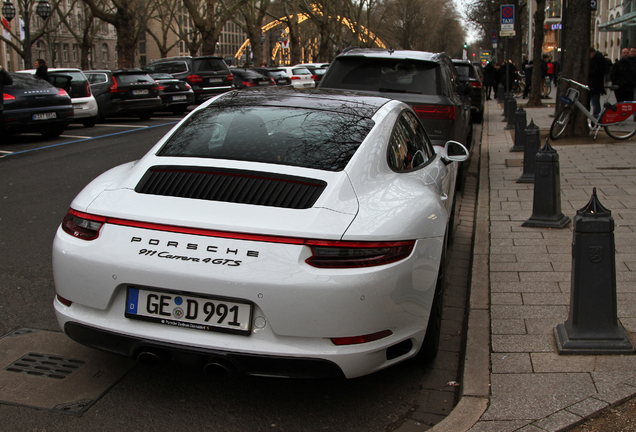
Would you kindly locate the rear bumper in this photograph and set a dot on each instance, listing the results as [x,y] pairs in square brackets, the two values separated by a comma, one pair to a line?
[134,107]
[17,121]
[245,364]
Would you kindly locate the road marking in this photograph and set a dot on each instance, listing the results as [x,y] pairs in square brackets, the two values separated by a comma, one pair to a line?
[75,136]
[130,126]
[88,139]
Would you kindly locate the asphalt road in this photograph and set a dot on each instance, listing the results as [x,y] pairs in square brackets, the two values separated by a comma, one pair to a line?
[38,180]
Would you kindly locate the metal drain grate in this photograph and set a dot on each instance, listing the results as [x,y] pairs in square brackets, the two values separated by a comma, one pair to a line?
[45,365]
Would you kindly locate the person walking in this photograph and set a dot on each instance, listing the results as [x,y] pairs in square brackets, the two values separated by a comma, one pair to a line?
[596,80]
[5,79]
[41,70]
[632,61]
[489,79]
[528,73]
[622,76]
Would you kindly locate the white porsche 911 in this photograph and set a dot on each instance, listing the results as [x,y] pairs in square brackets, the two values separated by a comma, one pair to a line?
[276,232]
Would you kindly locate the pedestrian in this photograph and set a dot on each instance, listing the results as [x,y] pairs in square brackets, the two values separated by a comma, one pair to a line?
[632,62]
[596,80]
[622,76]
[41,70]
[528,73]
[489,80]
[544,75]
[550,70]
[5,79]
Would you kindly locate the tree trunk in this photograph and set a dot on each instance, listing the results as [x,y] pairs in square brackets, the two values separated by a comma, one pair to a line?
[577,59]
[537,75]
[126,38]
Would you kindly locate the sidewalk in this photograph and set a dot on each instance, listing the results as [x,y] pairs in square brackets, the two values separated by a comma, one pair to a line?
[520,289]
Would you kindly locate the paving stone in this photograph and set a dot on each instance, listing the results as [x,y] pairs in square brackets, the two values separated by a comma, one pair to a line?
[616,395]
[608,381]
[523,343]
[523,312]
[587,407]
[523,287]
[506,363]
[557,421]
[508,326]
[554,363]
[546,299]
[526,406]
[506,299]
[499,426]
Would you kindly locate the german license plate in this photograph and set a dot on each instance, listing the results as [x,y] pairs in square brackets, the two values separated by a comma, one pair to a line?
[282,81]
[215,80]
[45,116]
[187,311]
[78,106]
[263,82]
[180,97]
[140,92]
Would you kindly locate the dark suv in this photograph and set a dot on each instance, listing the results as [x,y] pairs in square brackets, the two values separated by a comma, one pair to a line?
[207,75]
[426,81]
[468,73]
[124,92]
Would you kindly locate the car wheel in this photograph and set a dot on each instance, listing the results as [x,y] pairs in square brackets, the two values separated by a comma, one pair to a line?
[430,346]
[89,122]
[54,131]
[145,116]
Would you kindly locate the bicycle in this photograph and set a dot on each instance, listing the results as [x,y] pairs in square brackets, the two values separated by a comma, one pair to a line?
[616,119]
[518,86]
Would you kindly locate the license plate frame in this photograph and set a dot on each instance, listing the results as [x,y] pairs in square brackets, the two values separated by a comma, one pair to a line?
[215,80]
[165,305]
[45,116]
[179,97]
[140,92]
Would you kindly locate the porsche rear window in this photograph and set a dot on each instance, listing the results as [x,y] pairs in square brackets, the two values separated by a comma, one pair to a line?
[302,137]
[24,81]
[384,75]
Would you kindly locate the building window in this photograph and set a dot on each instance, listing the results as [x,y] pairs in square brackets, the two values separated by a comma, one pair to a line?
[75,49]
[104,52]
[65,52]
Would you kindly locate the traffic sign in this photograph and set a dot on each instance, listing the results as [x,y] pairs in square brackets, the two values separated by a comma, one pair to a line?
[507,33]
[493,33]
[507,17]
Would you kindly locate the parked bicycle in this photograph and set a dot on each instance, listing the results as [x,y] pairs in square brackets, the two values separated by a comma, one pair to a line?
[617,119]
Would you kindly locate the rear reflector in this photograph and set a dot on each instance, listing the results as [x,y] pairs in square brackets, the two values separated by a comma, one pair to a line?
[439,112]
[476,84]
[64,301]
[354,340]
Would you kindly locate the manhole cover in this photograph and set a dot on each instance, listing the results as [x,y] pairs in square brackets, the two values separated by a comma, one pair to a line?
[47,370]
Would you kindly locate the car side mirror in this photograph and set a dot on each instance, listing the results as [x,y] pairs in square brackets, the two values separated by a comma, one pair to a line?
[454,152]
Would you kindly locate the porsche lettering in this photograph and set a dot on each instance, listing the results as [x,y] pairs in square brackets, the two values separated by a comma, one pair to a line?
[196,247]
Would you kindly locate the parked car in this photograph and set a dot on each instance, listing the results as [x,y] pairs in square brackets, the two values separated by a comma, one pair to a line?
[32,104]
[468,73]
[207,75]
[256,238]
[124,92]
[279,75]
[175,94]
[249,78]
[84,103]
[317,70]
[300,76]
[428,82]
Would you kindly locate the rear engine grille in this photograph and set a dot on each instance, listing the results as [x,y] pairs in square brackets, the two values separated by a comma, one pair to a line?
[236,186]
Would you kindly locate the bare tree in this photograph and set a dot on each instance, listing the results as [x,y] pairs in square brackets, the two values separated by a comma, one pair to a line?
[292,9]
[537,75]
[127,16]
[254,13]
[163,13]
[82,27]
[209,17]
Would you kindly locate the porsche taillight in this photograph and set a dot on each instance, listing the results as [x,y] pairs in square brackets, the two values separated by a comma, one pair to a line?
[82,225]
[437,112]
[346,254]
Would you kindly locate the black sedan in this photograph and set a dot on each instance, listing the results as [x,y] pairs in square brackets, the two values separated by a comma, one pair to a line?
[279,75]
[249,78]
[32,104]
[175,94]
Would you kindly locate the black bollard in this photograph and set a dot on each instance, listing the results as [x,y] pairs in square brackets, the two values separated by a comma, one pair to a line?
[520,127]
[546,204]
[530,149]
[512,108]
[592,326]
[504,101]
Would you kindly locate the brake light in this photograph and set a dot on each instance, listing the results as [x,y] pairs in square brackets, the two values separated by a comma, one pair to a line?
[62,92]
[88,89]
[162,88]
[114,88]
[476,84]
[314,77]
[188,86]
[294,77]
[354,340]
[438,112]
[344,254]
[82,225]
[7,97]
[230,77]
[195,78]
[272,81]
[248,84]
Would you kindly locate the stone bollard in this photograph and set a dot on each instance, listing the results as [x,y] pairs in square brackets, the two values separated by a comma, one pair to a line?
[530,149]
[512,108]
[592,326]
[546,204]
[520,127]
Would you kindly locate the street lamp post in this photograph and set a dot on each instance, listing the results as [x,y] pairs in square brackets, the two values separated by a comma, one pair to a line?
[43,9]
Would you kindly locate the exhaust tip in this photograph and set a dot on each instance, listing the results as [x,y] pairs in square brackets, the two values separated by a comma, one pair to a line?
[151,359]
[219,369]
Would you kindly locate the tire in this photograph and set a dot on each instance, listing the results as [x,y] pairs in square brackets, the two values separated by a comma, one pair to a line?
[623,130]
[89,122]
[560,122]
[53,132]
[430,345]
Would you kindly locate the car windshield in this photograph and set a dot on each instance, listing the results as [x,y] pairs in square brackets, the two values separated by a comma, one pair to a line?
[278,73]
[300,71]
[96,78]
[162,76]
[248,74]
[24,81]
[384,75]
[323,140]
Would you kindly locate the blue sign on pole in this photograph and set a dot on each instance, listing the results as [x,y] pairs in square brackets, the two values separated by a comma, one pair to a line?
[493,33]
[507,17]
